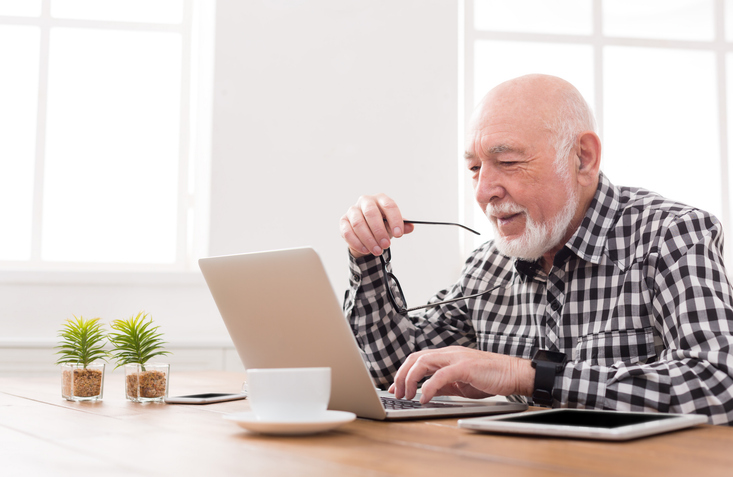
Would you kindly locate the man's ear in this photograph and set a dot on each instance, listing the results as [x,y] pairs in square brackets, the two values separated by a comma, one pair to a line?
[589,158]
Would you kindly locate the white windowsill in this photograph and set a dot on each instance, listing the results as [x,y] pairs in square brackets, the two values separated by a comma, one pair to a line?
[96,277]
[172,344]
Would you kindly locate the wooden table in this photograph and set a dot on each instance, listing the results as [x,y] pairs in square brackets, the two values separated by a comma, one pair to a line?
[42,434]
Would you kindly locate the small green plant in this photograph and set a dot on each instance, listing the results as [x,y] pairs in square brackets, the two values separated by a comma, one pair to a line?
[136,341]
[82,341]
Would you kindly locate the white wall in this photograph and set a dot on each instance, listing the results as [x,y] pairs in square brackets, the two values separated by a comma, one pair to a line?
[315,103]
[318,102]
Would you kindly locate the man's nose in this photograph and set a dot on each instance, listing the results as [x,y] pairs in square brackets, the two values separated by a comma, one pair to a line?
[487,188]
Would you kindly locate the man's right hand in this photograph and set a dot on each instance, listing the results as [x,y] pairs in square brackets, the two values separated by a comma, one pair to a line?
[369,225]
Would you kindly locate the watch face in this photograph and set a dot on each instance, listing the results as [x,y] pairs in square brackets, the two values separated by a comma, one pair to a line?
[551,356]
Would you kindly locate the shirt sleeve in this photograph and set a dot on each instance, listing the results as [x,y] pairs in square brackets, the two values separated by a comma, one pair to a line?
[385,337]
[692,308]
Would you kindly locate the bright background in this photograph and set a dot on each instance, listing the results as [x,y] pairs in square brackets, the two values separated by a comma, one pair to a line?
[293,109]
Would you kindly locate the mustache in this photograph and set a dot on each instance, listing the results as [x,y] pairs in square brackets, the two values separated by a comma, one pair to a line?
[504,209]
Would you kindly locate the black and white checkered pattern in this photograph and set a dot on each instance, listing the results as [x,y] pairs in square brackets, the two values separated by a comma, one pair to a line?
[638,299]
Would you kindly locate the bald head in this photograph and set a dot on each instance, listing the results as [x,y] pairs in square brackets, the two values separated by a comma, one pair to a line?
[542,97]
[540,102]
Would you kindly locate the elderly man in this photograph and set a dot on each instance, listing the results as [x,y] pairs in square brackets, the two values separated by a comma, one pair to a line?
[591,295]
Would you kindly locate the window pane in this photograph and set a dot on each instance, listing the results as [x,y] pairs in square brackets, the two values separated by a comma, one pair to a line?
[498,61]
[112,146]
[535,16]
[19,49]
[153,11]
[20,8]
[661,123]
[729,85]
[666,19]
[728,20]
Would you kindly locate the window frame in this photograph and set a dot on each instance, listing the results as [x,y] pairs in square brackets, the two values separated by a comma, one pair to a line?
[598,41]
[197,56]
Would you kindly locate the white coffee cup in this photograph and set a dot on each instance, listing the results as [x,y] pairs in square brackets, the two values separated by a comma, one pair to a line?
[288,394]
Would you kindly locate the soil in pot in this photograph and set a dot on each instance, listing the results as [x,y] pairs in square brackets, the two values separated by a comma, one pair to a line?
[151,384]
[81,382]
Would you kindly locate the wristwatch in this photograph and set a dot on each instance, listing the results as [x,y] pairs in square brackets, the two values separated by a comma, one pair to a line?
[546,364]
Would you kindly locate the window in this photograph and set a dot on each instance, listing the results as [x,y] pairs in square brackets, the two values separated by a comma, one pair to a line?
[104,133]
[656,73]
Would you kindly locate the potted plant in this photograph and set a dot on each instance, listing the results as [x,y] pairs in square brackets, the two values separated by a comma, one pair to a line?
[81,346]
[135,343]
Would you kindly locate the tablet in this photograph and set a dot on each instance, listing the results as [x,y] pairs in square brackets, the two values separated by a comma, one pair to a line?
[584,423]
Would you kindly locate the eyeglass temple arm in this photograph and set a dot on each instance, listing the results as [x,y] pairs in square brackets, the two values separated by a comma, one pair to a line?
[452,300]
[475,295]
[440,223]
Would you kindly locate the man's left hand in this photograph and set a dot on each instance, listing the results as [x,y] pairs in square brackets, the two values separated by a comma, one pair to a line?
[459,371]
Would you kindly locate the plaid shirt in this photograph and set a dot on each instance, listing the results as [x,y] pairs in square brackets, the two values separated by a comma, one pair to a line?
[637,299]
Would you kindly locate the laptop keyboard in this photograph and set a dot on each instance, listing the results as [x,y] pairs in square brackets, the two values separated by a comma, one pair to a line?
[401,404]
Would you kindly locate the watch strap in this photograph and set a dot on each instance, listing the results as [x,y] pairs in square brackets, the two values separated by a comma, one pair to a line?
[544,382]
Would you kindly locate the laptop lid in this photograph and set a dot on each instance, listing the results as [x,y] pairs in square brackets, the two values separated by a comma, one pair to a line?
[279,308]
[281,312]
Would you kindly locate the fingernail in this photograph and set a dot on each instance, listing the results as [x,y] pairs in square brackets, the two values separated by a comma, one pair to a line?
[397,232]
[384,243]
[364,250]
[376,250]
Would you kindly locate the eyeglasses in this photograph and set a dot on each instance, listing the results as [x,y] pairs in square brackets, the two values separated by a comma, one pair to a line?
[394,289]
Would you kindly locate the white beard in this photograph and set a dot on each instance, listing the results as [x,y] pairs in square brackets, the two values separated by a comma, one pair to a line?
[537,238]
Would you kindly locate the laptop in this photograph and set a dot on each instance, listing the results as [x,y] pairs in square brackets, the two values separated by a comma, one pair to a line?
[281,312]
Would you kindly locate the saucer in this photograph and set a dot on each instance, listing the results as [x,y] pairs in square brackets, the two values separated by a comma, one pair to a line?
[321,423]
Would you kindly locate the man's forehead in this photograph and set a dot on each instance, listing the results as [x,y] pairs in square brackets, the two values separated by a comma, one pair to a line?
[510,111]
[492,138]
[503,132]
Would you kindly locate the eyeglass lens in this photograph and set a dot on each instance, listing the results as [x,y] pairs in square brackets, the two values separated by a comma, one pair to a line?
[396,292]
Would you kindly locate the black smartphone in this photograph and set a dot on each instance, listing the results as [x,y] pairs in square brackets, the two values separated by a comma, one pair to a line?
[204,398]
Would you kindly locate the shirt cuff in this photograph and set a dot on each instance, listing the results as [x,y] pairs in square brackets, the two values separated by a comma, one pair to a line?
[581,385]
[360,268]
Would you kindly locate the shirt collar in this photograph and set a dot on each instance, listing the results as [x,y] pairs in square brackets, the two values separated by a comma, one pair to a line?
[589,241]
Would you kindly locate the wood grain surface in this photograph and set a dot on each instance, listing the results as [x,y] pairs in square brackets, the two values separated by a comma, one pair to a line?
[42,434]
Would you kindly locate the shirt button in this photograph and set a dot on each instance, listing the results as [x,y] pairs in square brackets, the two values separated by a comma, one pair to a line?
[555,305]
